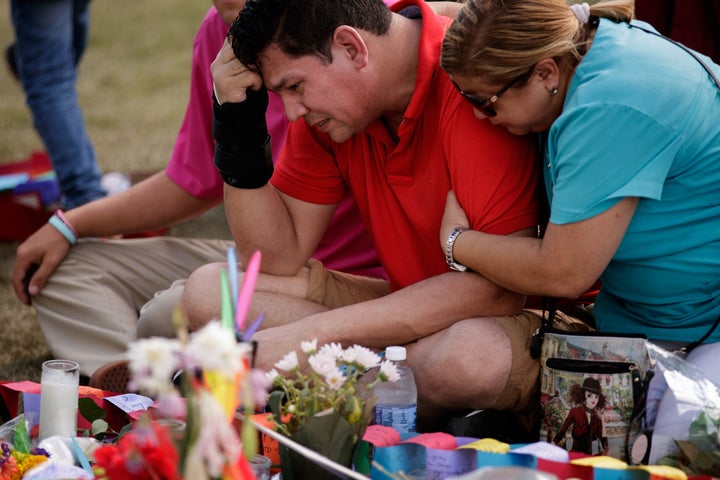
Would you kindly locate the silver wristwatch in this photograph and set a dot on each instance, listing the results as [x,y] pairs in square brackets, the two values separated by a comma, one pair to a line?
[458,267]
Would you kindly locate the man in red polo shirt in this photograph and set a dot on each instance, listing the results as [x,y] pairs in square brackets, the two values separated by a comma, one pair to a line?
[374,113]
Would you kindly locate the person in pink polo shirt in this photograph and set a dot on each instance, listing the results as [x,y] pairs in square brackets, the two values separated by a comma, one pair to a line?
[96,296]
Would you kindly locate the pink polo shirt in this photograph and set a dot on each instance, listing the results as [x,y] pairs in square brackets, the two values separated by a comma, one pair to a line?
[346,245]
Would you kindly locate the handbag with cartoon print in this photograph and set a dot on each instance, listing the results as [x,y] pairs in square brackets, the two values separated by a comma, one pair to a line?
[591,388]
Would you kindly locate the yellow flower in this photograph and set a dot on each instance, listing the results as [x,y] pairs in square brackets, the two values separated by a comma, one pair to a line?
[26,461]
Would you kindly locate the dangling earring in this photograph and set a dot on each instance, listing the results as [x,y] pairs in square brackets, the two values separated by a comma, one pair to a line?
[553,92]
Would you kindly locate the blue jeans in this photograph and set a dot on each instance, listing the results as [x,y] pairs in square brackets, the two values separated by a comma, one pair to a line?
[50,37]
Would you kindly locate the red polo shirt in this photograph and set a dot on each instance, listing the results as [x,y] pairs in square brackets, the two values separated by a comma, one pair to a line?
[400,187]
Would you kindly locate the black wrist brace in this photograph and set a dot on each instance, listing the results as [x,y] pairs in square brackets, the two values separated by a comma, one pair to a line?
[244,168]
[243,155]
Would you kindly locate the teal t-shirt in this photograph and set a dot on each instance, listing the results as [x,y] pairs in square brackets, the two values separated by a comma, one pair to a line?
[642,119]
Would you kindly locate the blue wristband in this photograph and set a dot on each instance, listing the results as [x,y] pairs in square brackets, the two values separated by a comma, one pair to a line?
[64,230]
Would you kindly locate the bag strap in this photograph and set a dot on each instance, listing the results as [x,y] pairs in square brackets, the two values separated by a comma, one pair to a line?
[693,54]
[550,304]
[691,346]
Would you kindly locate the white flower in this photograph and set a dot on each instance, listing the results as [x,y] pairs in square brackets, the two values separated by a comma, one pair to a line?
[333,349]
[309,347]
[272,375]
[289,362]
[152,364]
[215,349]
[323,363]
[362,357]
[389,372]
[335,379]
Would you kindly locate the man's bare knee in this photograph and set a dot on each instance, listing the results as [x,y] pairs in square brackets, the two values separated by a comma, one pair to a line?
[201,297]
[479,355]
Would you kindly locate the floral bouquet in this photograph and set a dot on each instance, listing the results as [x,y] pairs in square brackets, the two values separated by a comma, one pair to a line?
[328,406]
[18,458]
[216,379]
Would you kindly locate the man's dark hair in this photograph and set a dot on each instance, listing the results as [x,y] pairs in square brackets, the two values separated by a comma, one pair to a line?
[301,27]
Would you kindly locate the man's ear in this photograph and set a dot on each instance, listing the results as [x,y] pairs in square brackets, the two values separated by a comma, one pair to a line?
[349,43]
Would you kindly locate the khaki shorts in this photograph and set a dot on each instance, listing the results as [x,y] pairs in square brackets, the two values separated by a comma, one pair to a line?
[337,289]
[520,393]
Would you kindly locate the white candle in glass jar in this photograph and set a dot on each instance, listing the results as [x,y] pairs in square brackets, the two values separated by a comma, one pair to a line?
[59,398]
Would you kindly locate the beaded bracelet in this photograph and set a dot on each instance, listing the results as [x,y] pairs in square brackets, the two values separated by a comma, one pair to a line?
[60,223]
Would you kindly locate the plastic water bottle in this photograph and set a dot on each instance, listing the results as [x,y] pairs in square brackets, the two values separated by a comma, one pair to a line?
[396,404]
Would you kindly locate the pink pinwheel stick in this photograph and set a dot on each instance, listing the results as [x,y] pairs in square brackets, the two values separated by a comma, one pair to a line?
[246,291]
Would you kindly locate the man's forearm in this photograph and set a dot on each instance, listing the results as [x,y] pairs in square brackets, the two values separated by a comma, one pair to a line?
[259,220]
[416,311]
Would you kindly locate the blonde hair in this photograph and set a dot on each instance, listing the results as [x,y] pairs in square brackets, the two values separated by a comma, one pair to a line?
[502,39]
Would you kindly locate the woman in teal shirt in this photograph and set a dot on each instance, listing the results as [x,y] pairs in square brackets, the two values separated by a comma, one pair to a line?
[630,124]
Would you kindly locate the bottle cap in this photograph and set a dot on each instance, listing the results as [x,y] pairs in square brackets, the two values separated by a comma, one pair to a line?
[395,354]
